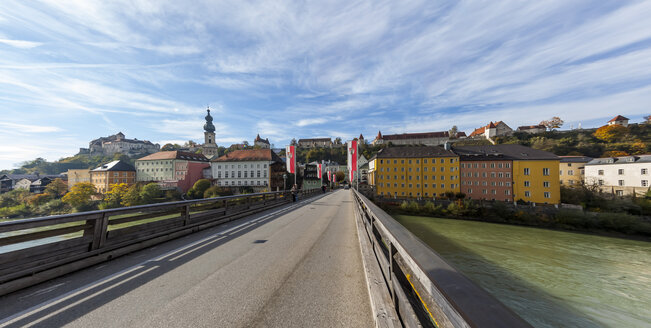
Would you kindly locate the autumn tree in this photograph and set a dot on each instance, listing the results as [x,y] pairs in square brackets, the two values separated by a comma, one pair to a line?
[615,153]
[132,197]
[453,131]
[115,196]
[647,119]
[610,133]
[638,148]
[341,176]
[552,123]
[56,188]
[80,195]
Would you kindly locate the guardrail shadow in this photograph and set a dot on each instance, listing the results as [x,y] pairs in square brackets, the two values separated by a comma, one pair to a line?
[128,276]
[537,307]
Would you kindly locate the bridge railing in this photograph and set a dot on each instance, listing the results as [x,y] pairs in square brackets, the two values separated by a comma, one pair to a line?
[425,290]
[39,249]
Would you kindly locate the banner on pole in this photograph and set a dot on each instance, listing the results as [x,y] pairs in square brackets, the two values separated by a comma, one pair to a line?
[290,153]
[352,159]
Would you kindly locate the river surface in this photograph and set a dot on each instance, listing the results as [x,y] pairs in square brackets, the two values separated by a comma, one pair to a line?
[550,278]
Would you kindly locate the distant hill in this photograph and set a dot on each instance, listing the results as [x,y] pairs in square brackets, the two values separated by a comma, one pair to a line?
[632,140]
[78,161]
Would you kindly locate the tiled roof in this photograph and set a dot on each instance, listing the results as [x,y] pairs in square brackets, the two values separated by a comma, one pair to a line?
[575,159]
[249,155]
[414,151]
[479,131]
[619,118]
[315,140]
[175,155]
[621,160]
[512,152]
[424,135]
[115,166]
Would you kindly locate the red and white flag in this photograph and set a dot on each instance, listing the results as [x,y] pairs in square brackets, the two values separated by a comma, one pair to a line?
[318,170]
[290,153]
[334,178]
[352,159]
[329,176]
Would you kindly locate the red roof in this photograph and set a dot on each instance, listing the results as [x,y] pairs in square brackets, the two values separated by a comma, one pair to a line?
[479,131]
[619,118]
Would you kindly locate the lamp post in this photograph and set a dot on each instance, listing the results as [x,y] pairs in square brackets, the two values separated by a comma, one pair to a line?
[284,181]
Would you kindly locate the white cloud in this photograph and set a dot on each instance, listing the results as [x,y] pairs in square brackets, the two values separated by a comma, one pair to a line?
[28,128]
[311,121]
[22,44]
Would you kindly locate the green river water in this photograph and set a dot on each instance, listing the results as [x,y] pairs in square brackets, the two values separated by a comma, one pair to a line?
[550,278]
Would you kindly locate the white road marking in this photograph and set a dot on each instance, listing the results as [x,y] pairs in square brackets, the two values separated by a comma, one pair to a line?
[49,303]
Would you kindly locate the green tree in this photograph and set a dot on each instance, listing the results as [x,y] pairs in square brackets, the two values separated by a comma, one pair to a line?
[132,197]
[197,191]
[340,176]
[56,188]
[80,195]
[150,192]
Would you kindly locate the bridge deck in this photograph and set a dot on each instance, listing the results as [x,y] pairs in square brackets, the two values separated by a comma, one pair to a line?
[282,268]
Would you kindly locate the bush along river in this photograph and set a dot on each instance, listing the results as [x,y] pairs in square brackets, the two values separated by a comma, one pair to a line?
[550,278]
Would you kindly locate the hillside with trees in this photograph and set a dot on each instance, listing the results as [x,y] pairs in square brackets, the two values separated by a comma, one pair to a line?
[608,140]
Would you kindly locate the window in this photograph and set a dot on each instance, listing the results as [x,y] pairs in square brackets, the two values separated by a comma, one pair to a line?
[527,194]
[600,182]
[620,171]
[483,165]
[470,191]
[619,192]
[492,165]
[545,171]
[442,161]
[381,161]
[644,171]
[402,161]
[546,184]
[409,161]
[570,172]
[526,184]
[547,194]
[644,183]
[560,172]
[484,191]
[620,182]
[507,192]
[526,171]
[425,161]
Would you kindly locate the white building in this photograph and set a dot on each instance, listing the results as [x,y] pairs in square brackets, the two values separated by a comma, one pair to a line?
[496,129]
[619,120]
[245,168]
[426,138]
[620,175]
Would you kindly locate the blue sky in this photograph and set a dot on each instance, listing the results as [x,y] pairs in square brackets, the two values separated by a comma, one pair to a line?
[72,71]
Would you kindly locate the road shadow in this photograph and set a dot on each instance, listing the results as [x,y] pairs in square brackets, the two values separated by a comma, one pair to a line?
[124,274]
[533,304]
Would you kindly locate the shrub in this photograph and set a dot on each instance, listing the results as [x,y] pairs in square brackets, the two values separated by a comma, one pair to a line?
[150,192]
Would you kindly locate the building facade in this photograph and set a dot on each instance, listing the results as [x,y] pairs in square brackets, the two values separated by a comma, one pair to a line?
[619,120]
[532,129]
[78,176]
[311,177]
[415,172]
[571,171]
[620,176]
[485,173]
[166,166]
[426,139]
[315,143]
[254,168]
[115,172]
[261,143]
[209,148]
[118,143]
[491,130]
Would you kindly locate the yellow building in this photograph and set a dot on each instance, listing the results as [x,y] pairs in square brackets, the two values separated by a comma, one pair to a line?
[115,172]
[571,171]
[414,172]
[535,175]
[78,176]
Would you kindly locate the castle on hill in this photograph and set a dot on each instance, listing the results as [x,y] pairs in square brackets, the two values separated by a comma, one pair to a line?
[118,143]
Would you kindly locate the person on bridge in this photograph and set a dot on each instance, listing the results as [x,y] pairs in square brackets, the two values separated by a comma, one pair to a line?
[294,193]
[323,189]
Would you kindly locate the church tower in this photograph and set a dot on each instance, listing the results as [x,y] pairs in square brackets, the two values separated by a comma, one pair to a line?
[209,146]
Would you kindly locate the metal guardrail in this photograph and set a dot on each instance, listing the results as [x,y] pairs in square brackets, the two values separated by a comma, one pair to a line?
[426,291]
[39,249]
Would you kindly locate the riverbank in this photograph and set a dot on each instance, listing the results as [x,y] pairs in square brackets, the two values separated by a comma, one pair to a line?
[550,278]
[620,225]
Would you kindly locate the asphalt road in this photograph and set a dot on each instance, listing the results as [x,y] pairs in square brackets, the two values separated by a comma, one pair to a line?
[294,266]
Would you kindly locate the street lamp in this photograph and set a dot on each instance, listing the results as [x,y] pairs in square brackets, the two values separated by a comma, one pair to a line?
[284,181]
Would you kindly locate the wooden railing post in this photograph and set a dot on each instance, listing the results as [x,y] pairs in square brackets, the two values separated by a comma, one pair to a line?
[186,214]
[100,227]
